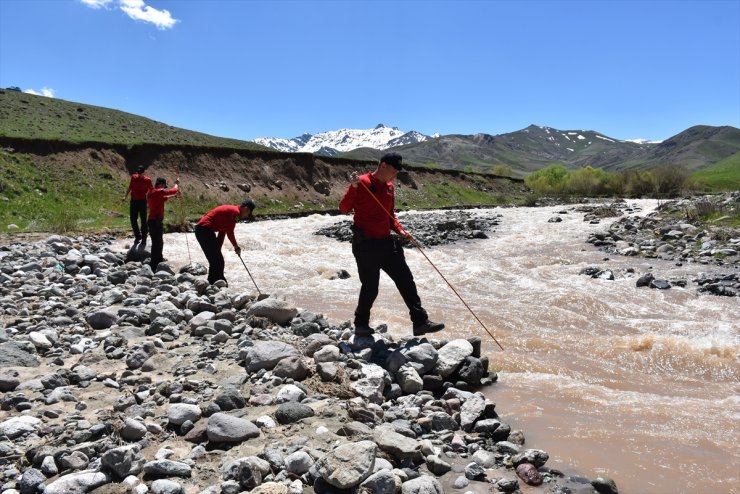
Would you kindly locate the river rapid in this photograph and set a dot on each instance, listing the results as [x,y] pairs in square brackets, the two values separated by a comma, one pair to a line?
[640,385]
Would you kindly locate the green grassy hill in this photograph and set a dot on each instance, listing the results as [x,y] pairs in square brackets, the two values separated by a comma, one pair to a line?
[723,175]
[27,116]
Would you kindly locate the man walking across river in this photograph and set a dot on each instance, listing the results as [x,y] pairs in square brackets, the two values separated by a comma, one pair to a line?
[221,220]
[376,249]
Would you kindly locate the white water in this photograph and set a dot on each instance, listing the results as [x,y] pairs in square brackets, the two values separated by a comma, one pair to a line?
[639,385]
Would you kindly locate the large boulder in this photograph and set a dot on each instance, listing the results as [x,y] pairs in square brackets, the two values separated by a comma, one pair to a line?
[275,309]
[346,466]
[266,354]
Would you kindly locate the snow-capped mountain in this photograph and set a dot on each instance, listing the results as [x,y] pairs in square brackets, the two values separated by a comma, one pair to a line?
[334,142]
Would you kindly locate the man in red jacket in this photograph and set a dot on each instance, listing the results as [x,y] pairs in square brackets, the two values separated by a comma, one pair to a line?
[375,248]
[139,186]
[155,200]
[221,220]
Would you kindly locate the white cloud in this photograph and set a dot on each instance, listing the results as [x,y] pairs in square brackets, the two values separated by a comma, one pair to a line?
[96,4]
[137,10]
[45,91]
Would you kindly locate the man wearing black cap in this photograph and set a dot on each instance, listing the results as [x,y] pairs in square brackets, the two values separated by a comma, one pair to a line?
[221,220]
[375,248]
[139,186]
[155,201]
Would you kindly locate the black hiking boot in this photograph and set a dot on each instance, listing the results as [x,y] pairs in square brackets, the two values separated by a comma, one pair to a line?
[427,327]
[363,330]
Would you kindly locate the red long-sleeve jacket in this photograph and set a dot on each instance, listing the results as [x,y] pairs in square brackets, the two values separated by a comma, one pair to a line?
[374,220]
[156,199]
[139,186]
[222,219]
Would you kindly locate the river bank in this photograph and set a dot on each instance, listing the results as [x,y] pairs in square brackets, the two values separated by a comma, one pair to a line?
[117,379]
[586,359]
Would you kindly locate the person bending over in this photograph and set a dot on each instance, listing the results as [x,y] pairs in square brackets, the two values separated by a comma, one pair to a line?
[220,220]
[374,247]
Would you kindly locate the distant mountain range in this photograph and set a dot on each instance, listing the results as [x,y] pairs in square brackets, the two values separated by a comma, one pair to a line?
[524,150]
[336,142]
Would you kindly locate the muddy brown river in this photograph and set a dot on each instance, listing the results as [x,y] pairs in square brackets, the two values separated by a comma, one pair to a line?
[640,385]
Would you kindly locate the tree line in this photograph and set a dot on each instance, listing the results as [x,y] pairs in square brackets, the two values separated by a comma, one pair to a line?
[661,181]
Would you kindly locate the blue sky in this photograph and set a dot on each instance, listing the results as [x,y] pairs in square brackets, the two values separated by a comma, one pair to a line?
[248,69]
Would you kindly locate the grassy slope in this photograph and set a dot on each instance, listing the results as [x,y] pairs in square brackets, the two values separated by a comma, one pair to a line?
[48,198]
[38,117]
[723,175]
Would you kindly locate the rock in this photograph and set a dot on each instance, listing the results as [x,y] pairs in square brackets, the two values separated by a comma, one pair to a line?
[79,482]
[288,413]
[16,354]
[372,383]
[270,488]
[164,486]
[409,379]
[298,463]
[223,428]
[180,412]
[471,411]
[347,465]
[102,319]
[452,355]
[382,482]
[291,367]
[132,430]
[422,485]
[123,461]
[437,466]
[397,445]
[274,309]
[604,485]
[536,457]
[266,354]
[290,392]
[9,381]
[167,468]
[484,458]
[15,427]
[30,480]
[529,474]
[230,399]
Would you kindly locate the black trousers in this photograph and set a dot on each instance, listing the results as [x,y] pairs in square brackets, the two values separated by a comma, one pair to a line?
[137,211]
[211,248]
[374,255]
[156,232]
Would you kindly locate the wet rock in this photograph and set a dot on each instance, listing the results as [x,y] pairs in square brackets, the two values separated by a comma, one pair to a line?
[604,485]
[529,474]
[452,355]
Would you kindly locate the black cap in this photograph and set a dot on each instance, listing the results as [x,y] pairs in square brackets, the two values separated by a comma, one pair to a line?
[248,203]
[160,181]
[140,170]
[393,159]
